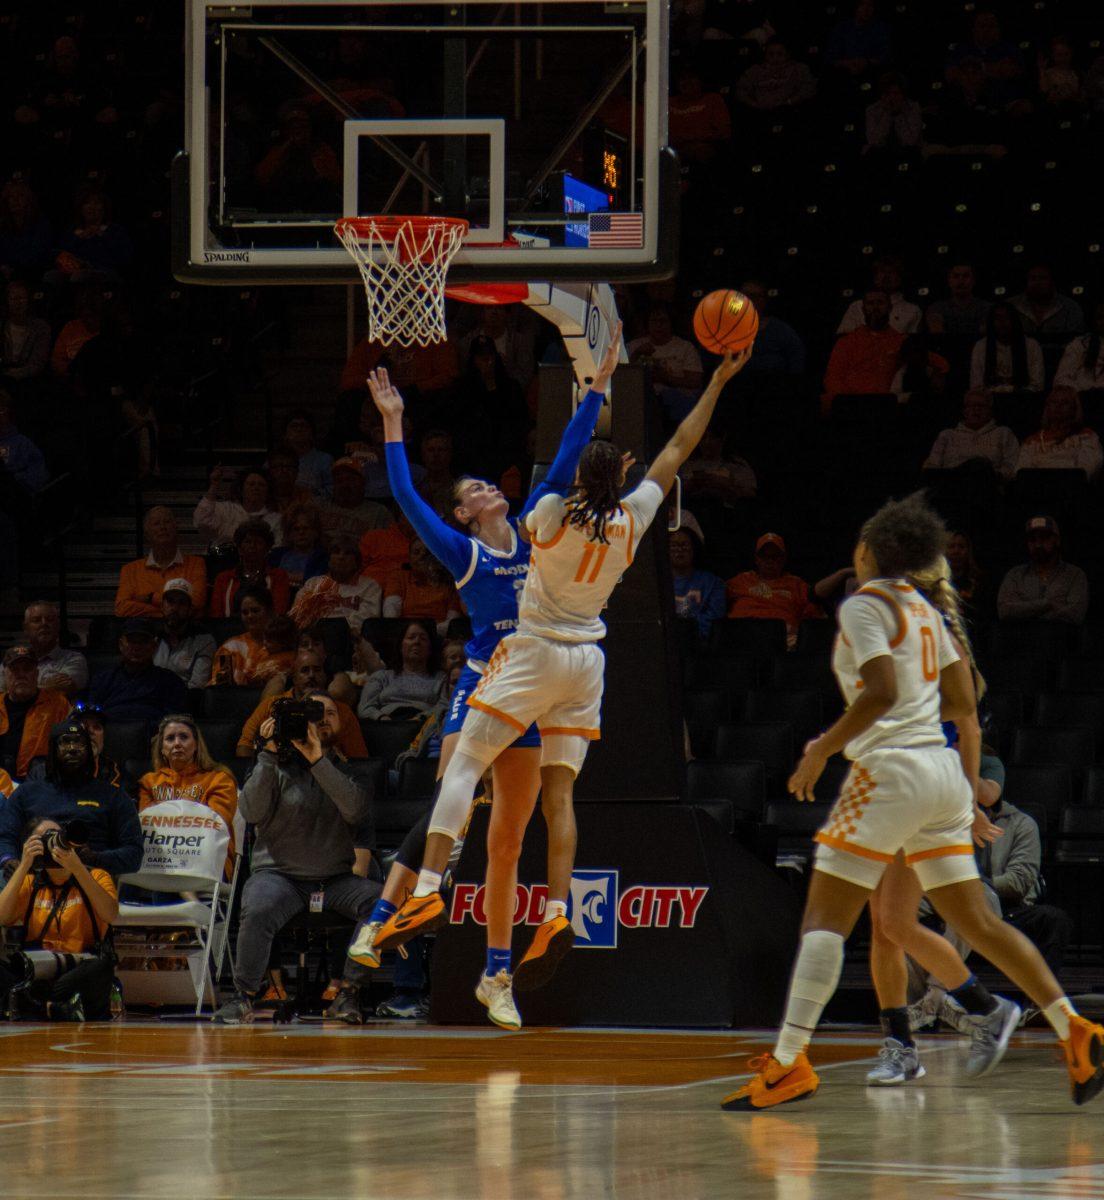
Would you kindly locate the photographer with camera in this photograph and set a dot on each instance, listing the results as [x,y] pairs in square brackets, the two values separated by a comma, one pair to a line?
[71,791]
[66,911]
[310,814]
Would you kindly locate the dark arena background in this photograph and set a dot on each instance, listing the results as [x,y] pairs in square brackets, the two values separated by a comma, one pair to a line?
[197,520]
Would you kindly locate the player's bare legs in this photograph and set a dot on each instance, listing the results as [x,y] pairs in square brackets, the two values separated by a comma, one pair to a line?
[517,783]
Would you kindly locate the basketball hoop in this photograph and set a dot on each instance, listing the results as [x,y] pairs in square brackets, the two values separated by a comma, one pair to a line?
[403,262]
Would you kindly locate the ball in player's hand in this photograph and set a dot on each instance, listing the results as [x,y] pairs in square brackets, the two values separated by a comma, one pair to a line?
[725,322]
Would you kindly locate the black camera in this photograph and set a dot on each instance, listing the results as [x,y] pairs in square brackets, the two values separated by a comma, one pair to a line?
[71,836]
[292,717]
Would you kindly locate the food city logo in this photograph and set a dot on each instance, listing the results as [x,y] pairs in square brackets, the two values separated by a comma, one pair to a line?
[597,907]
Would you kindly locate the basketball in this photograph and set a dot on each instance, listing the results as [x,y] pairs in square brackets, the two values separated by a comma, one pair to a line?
[725,322]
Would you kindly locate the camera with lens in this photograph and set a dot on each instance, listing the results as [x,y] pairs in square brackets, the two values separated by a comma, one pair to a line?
[291,719]
[71,836]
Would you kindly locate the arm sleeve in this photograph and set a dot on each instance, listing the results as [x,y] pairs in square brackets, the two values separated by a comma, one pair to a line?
[201,665]
[222,797]
[451,548]
[367,707]
[207,518]
[866,622]
[1017,882]
[125,856]
[576,434]
[253,722]
[258,793]
[1075,605]
[126,603]
[349,798]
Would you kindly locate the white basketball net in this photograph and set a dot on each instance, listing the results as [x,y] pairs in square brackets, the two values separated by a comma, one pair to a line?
[403,262]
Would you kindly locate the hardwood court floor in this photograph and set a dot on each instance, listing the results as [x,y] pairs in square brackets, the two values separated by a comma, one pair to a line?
[149,1110]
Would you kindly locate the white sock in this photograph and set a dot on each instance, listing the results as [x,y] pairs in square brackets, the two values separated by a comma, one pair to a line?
[815,976]
[554,909]
[428,883]
[1058,1014]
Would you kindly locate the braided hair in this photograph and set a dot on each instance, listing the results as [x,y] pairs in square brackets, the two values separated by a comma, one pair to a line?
[599,492]
[935,583]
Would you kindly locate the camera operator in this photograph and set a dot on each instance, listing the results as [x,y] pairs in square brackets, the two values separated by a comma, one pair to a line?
[66,909]
[69,792]
[308,809]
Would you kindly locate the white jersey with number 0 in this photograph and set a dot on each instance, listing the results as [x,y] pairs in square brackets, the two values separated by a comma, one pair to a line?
[890,617]
[571,576]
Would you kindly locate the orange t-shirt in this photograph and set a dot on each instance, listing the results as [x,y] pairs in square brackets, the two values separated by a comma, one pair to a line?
[250,662]
[863,362]
[71,932]
[783,599]
[383,551]
[430,601]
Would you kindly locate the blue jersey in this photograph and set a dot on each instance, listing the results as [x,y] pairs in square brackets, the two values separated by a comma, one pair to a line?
[489,581]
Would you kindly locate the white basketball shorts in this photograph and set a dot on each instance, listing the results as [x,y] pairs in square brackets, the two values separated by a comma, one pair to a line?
[917,801]
[557,685]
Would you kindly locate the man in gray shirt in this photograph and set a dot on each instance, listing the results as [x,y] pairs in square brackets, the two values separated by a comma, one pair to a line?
[310,813]
[59,670]
[181,647]
[1045,588]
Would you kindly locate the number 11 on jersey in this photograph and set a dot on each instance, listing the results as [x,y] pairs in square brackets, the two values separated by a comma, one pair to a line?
[584,562]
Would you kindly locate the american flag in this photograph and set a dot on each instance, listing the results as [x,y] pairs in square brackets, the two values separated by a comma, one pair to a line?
[615,230]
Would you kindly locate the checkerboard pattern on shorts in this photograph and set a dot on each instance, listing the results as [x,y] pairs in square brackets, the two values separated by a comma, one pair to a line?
[847,812]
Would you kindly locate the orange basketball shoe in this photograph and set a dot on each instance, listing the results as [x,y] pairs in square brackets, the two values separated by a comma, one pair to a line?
[1084,1052]
[550,943]
[773,1085]
[417,914]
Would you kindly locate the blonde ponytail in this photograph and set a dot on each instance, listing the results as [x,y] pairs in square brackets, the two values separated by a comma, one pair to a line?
[935,583]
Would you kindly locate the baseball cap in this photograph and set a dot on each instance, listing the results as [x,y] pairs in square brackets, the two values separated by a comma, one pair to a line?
[19,654]
[179,585]
[138,627]
[347,463]
[1046,524]
[770,539]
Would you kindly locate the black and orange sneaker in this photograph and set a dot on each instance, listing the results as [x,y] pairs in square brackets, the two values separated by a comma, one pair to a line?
[773,1084]
[1084,1052]
[550,943]
[418,914]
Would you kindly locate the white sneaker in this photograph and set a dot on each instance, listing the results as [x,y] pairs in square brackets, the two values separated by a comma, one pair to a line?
[497,997]
[896,1064]
[362,949]
[989,1037]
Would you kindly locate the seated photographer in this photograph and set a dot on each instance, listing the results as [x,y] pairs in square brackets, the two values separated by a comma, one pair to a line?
[308,809]
[66,909]
[308,675]
[72,793]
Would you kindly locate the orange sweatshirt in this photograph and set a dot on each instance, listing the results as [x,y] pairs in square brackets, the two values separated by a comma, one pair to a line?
[217,789]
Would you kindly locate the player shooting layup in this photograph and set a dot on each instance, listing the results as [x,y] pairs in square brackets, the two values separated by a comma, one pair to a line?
[551,671]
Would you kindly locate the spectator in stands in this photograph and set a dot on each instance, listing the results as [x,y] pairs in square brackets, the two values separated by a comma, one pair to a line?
[893,122]
[27,712]
[308,675]
[969,579]
[1004,360]
[342,592]
[778,349]
[96,247]
[77,333]
[218,517]
[59,669]
[1043,311]
[864,361]
[999,60]
[436,487]
[315,466]
[675,363]
[422,372]
[384,551]
[134,689]
[698,594]
[969,119]
[70,790]
[1064,441]
[311,814]
[20,459]
[699,126]
[24,338]
[142,581]
[711,474]
[859,44]
[303,554]
[184,770]
[977,437]
[183,647]
[513,329]
[338,669]
[65,99]
[348,513]
[252,657]
[254,542]
[777,83]
[413,689]
[921,373]
[962,314]
[362,441]
[283,472]
[887,276]
[422,590]
[55,888]
[25,236]
[1082,365]
[300,173]
[94,721]
[768,592]
[1045,588]
[1059,80]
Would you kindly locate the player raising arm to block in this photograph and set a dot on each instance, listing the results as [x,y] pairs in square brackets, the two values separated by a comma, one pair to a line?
[551,671]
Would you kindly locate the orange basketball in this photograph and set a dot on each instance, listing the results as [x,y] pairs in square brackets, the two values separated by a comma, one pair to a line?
[725,322]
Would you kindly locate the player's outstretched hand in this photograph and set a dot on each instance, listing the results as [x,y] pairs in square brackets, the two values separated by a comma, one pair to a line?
[731,365]
[807,772]
[609,361]
[384,393]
